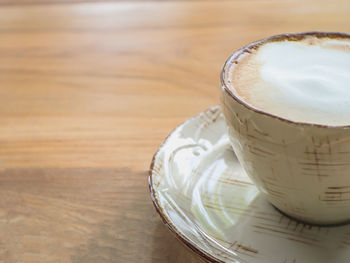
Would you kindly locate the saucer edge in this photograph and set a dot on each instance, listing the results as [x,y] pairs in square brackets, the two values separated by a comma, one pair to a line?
[166,221]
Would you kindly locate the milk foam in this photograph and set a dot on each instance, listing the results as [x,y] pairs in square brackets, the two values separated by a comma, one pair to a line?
[304,81]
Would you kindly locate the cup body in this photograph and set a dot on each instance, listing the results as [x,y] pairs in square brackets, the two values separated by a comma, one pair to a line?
[303,169]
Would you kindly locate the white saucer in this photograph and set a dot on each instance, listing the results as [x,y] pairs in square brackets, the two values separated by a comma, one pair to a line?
[202,194]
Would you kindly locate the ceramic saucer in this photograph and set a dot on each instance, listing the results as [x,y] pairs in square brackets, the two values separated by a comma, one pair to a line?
[202,194]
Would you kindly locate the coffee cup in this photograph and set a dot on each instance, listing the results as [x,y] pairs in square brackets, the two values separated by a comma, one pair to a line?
[286,102]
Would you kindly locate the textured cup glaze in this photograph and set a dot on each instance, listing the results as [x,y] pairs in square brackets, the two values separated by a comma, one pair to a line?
[302,168]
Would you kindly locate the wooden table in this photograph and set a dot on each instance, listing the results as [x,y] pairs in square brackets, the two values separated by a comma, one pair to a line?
[89,90]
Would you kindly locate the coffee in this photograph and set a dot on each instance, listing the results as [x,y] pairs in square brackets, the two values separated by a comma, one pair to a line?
[274,93]
[302,80]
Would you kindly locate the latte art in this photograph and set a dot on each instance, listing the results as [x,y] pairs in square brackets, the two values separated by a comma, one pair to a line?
[303,81]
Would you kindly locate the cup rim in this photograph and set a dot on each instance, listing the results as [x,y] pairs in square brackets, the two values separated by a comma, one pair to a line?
[234,60]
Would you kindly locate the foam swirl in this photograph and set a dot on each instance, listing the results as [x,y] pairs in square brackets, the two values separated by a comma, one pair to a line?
[304,81]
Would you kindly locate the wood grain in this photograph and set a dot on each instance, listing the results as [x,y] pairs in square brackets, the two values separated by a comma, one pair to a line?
[81,215]
[87,93]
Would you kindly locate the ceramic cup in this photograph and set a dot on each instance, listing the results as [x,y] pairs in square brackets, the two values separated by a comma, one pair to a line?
[303,169]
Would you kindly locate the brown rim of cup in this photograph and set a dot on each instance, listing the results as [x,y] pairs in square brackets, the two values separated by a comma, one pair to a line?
[234,59]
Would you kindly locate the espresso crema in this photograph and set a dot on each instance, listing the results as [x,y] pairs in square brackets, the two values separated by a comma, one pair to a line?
[307,80]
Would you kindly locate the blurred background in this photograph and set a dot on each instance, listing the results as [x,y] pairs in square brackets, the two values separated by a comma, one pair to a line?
[89,90]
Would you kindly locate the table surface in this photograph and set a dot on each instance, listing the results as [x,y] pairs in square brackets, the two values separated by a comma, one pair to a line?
[89,90]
